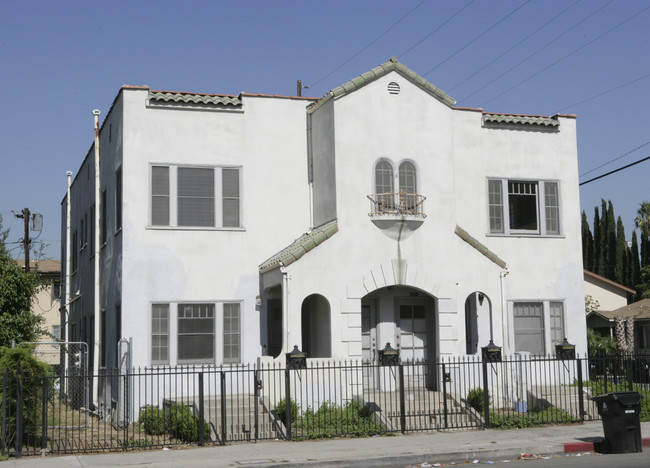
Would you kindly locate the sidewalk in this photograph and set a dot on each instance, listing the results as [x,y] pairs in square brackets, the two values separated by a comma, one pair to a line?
[396,451]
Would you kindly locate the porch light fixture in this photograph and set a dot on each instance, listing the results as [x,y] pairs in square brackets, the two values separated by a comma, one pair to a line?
[481,298]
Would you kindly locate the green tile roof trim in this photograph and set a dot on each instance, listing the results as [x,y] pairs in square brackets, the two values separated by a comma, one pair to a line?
[390,65]
[480,247]
[300,247]
[520,119]
[191,98]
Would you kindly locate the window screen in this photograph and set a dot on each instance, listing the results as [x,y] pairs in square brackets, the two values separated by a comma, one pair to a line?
[195,196]
[195,332]
[160,334]
[231,333]
[529,327]
[552,206]
[160,196]
[557,323]
[230,189]
[495,204]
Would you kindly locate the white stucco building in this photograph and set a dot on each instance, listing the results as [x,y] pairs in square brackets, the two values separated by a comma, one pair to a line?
[235,227]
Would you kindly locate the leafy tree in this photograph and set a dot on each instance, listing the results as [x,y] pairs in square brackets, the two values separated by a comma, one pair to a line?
[610,245]
[643,288]
[596,266]
[621,265]
[17,288]
[587,244]
[591,304]
[642,221]
[635,266]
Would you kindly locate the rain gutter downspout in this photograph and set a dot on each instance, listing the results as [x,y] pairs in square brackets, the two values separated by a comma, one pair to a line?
[285,306]
[505,336]
[68,275]
[97,336]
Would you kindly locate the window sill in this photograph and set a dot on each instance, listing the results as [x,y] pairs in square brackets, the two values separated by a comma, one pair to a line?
[530,236]
[194,228]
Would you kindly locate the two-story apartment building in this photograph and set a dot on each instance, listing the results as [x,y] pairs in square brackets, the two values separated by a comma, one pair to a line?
[235,227]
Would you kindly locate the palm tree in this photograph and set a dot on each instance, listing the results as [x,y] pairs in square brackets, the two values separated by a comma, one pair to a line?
[642,221]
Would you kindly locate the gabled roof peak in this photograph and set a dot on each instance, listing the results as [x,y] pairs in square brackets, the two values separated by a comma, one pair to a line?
[392,64]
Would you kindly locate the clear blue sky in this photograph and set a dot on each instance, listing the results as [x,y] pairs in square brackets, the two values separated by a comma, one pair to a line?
[60,60]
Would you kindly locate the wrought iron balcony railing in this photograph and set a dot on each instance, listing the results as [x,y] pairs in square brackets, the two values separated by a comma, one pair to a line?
[401,203]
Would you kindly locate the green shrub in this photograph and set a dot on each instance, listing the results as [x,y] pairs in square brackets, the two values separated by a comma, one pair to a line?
[153,421]
[281,410]
[550,415]
[33,371]
[476,399]
[353,419]
[184,425]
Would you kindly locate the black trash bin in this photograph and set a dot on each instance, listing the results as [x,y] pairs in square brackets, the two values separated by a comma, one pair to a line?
[620,413]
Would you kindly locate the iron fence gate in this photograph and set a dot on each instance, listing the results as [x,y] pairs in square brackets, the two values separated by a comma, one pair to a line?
[154,407]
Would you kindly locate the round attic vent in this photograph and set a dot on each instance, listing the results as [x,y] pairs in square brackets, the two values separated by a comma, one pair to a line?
[393,88]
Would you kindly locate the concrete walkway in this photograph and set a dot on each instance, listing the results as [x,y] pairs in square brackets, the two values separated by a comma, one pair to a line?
[396,451]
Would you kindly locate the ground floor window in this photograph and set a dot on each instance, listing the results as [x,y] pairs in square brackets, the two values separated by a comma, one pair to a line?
[195,333]
[538,326]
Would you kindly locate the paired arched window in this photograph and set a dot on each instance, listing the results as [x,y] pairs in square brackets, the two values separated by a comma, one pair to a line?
[385,179]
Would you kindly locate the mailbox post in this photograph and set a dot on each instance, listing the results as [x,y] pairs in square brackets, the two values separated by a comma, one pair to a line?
[296,359]
[388,356]
[491,352]
[565,350]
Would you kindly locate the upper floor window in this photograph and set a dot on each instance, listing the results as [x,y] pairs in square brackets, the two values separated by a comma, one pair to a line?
[530,207]
[396,193]
[195,196]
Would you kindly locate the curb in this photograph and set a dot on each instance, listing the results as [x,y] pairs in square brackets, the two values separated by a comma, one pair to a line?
[589,446]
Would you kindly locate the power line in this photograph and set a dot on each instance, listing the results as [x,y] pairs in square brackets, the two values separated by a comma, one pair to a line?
[479,36]
[370,44]
[571,28]
[516,45]
[615,159]
[567,55]
[615,171]
[435,30]
[616,88]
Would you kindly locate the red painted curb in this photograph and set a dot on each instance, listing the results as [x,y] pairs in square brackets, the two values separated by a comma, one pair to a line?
[573,447]
[579,447]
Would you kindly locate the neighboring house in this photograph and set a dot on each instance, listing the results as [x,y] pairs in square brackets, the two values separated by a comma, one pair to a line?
[235,227]
[47,304]
[611,296]
[640,311]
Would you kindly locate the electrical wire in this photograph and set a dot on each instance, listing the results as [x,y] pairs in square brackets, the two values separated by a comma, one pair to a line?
[370,44]
[435,30]
[615,159]
[568,55]
[515,46]
[614,171]
[525,59]
[616,88]
[478,37]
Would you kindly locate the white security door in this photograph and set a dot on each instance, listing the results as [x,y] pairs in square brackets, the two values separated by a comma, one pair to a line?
[413,332]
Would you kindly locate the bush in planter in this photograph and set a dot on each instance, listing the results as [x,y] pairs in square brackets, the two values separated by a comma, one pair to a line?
[184,425]
[476,399]
[153,420]
[281,410]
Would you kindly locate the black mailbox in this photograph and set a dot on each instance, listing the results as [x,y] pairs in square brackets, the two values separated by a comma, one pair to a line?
[296,359]
[388,356]
[565,350]
[491,353]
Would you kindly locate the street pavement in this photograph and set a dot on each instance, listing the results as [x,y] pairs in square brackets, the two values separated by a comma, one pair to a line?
[385,451]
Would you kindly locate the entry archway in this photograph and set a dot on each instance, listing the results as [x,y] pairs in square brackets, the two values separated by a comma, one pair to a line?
[316,326]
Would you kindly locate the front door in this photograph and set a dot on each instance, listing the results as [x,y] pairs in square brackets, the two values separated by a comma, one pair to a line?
[416,340]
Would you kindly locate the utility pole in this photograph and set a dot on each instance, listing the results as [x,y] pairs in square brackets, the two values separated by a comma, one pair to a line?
[25,214]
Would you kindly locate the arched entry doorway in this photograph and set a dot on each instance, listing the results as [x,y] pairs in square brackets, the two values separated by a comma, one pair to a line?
[315,327]
[405,318]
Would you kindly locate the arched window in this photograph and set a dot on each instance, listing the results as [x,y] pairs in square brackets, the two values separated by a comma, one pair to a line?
[384,180]
[407,178]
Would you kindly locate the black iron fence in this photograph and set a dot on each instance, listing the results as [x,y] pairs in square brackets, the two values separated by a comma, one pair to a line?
[156,407]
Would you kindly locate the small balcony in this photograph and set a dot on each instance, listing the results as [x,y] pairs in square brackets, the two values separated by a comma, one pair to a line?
[397,204]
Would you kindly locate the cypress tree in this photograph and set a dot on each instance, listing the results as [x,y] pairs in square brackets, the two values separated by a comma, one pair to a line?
[597,265]
[587,245]
[621,265]
[610,266]
[635,266]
